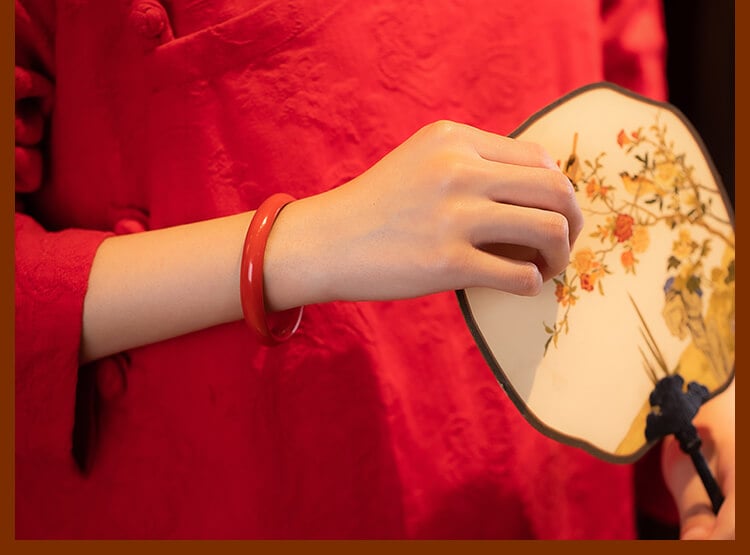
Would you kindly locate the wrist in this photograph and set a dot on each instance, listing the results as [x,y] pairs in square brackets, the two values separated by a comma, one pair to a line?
[294,274]
[275,328]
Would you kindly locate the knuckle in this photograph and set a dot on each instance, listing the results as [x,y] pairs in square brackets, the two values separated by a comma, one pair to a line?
[555,228]
[562,188]
[540,156]
[442,130]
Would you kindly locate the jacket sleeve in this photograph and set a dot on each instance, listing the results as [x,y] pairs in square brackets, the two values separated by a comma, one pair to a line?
[635,46]
[51,268]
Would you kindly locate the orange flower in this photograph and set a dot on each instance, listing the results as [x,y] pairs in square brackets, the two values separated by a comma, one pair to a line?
[597,272]
[622,138]
[601,231]
[562,292]
[623,227]
[592,188]
[559,291]
[587,282]
[628,261]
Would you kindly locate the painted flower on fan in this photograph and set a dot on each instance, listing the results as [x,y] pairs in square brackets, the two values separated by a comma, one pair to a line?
[684,246]
[623,139]
[640,239]
[564,294]
[623,227]
[590,278]
[628,261]
[687,202]
[666,175]
[692,200]
[594,189]
[583,260]
[602,231]
[587,282]
[597,271]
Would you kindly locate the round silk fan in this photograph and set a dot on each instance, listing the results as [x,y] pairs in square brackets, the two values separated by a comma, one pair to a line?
[649,290]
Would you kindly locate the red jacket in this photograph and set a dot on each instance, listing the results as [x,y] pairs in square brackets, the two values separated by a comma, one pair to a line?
[378,419]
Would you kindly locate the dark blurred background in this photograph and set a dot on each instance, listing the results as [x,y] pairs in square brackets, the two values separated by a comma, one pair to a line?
[700,76]
[700,73]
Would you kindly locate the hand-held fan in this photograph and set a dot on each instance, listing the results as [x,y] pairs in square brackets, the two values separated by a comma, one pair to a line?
[599,359]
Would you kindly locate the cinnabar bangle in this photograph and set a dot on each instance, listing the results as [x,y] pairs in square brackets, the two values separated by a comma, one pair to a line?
[252,292]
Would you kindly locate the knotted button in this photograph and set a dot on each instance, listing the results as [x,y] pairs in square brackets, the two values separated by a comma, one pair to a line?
[149,19]
[130,220]
[128,225]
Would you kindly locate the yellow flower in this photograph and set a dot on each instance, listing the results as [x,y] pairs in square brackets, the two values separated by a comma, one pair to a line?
[692,201]
[640,239]
[583,260]
[666,174]
[685,245]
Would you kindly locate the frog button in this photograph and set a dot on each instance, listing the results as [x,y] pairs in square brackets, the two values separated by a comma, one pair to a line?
[131,220]
[149,20]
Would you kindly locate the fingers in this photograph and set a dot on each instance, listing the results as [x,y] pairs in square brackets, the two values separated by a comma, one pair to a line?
[497,272]
[532,187]
[507,171]
[498,148]
[544,231]
[697,520]
[451,184]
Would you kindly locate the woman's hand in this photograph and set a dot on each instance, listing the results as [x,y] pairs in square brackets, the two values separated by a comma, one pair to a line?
[424,219]
[451,207]
[715,423]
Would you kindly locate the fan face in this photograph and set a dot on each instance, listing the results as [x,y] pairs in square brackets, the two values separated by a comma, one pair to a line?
[650,285]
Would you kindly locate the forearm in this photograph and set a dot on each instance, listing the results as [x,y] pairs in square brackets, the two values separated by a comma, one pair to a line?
[155,285]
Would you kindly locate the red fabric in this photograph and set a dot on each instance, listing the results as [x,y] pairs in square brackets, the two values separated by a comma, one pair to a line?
[378,419]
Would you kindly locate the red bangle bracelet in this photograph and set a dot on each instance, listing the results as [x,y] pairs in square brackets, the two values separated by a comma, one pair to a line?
[251,276]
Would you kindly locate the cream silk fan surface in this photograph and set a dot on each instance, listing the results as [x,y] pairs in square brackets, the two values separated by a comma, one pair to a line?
[649,290]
